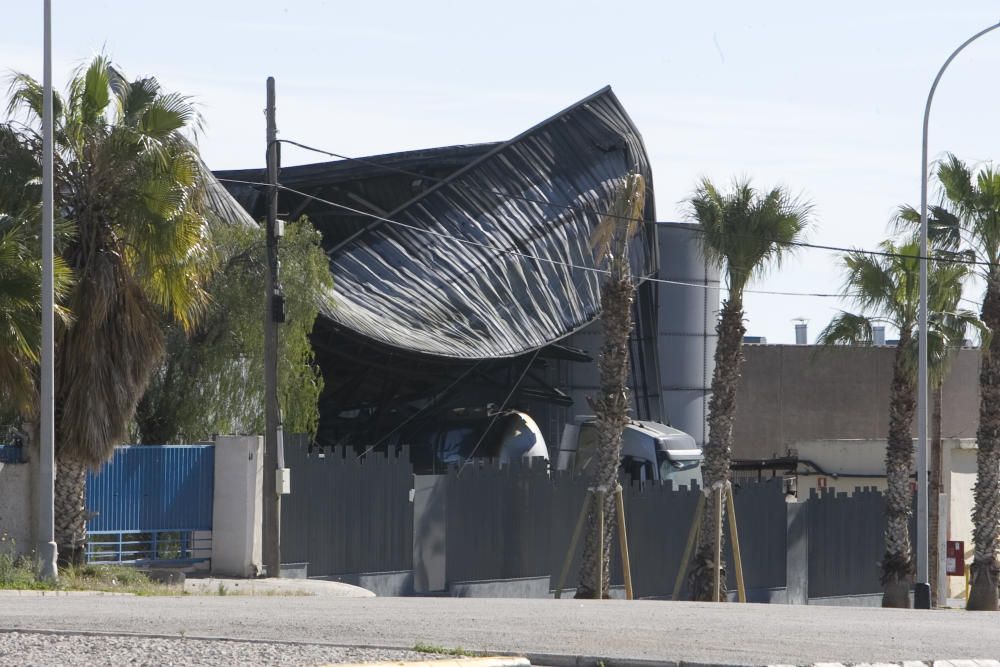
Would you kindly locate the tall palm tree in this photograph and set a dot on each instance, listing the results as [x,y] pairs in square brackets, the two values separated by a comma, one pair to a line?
[886,290]
[745,232]
[944,234]
[141,203]
[611,249]
[975,198]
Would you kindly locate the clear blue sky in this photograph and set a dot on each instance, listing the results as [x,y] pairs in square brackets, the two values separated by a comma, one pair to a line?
[825,98]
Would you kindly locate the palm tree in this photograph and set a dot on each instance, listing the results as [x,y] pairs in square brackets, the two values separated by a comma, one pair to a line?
[975,198]
[945,234]
[140,202]
[886,290]
[611,248]
[745,233]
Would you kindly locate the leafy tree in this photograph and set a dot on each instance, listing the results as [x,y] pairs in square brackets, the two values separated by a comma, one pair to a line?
[611,245]
[20,277]
[140,204]
[745,232]
[886,290]
[212,381]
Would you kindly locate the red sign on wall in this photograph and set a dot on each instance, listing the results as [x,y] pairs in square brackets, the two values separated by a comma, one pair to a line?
[955,558]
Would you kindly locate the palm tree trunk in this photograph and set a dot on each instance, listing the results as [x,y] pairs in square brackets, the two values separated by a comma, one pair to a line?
[986,509]
[936,488]
[897,563]
[70,510]
[611,410]
[718,450]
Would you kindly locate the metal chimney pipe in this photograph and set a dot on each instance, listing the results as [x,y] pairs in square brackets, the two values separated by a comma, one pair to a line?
[878,335]
[802,334]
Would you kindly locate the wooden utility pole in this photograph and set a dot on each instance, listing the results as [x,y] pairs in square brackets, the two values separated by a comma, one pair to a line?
[273,314]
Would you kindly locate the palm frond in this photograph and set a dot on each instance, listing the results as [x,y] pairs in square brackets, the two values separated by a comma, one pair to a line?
[847,329]
[623,220]
[746,232]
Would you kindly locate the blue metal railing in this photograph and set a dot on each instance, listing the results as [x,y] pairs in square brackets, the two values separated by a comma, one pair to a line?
[159,547]
[152,504]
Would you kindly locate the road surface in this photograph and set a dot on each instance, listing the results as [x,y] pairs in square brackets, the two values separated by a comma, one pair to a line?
[726,634]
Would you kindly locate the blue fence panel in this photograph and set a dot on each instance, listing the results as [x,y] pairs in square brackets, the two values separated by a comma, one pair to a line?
[146,494]
[11,454]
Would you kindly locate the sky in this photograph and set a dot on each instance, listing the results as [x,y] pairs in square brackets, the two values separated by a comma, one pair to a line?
[825,99]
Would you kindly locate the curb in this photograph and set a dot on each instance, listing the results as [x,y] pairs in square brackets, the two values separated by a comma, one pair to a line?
[457,662]
[525,659]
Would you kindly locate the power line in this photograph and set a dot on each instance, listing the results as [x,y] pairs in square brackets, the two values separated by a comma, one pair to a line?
[576,208]
[526,255]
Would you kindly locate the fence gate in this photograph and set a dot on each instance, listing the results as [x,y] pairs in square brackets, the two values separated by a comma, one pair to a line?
[152,504]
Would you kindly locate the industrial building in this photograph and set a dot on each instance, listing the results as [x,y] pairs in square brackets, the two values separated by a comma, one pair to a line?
[464,279]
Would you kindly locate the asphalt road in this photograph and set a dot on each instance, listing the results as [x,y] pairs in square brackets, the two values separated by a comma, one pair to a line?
[726,634]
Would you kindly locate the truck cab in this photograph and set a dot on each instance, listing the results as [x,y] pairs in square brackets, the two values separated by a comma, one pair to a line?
[651,451]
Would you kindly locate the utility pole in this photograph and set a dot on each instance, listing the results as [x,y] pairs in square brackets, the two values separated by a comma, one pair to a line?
[274,307]
[46,451]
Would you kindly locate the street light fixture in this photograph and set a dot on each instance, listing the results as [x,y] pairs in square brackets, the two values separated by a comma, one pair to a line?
[922,594]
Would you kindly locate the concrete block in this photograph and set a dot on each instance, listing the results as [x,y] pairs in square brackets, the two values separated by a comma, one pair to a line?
[382,584]
[16,508]
[238,506]
[294,571]
[525,587]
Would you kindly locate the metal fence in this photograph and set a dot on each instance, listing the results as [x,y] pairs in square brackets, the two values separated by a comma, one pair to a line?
[517,521]
[353,516]
[846,542]
[347,515]
[12,454]
[152,503]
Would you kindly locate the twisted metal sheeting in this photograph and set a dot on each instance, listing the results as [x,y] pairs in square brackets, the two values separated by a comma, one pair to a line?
[422,293]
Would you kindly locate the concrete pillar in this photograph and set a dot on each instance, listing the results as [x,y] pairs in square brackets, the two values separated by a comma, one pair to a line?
[238,506]
[796,553]
[429,533]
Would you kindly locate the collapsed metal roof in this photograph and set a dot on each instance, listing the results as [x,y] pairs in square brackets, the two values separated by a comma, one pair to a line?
[490,255]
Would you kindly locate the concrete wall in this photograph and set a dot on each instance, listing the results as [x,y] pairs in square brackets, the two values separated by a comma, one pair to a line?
[798,393]
[236,515]
[960,462]
[16,507]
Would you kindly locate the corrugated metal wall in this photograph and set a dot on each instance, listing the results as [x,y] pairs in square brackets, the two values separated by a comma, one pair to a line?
[153,488]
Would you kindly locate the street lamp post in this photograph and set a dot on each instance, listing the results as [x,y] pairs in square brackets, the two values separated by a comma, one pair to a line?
[46,450]
[922,594]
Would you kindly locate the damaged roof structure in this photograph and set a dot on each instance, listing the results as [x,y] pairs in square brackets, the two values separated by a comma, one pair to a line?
[460,269]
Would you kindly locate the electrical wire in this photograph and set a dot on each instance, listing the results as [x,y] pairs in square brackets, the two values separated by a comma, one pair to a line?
[526,255]
[572,207]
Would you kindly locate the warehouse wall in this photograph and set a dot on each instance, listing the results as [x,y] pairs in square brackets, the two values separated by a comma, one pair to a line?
[796,393]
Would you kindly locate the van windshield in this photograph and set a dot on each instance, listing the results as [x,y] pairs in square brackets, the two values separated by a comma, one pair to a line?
[669,467]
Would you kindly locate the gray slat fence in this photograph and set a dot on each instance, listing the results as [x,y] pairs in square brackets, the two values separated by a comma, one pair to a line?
[847,541]
[517,521]
[347,515]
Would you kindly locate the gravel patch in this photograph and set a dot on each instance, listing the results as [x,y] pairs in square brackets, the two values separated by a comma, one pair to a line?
[28,649]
